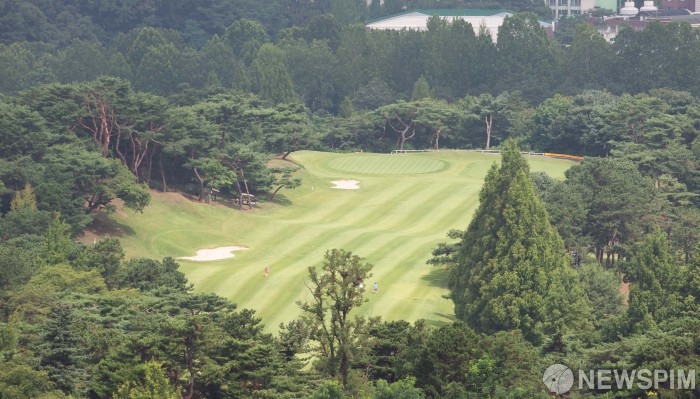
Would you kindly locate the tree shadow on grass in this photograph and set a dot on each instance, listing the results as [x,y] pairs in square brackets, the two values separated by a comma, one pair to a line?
[440,319]
[231,203]
[281,199]
[437,277]
[104,226]
[225,202]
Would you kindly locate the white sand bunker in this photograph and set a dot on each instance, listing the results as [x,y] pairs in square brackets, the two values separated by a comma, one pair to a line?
[204,255]
[346,184]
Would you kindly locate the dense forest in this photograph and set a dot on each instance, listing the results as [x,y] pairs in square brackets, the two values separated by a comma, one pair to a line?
[60,23]
[106,100]
[325,61]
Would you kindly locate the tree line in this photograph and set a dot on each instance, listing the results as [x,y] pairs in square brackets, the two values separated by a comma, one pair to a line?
[324,62]
[59,23]
[81,145]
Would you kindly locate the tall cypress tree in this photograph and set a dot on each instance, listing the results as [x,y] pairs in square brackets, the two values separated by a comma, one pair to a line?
[272,80]
[512,272]
[655,283]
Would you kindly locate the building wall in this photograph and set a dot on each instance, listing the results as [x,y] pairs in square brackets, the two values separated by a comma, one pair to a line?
[562,8]
[492,23]
[407,21]
[607,4]
[677,5]
[420,21]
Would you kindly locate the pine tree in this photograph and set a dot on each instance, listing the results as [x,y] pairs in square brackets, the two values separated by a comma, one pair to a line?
[346,109]
[421,89]
[511,271]
[272,80]
[213,81]
[655,282]
[58,241]
[375,9]
[24,199]
[61,353]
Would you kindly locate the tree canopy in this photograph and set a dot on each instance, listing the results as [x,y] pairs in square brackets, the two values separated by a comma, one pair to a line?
[511,271]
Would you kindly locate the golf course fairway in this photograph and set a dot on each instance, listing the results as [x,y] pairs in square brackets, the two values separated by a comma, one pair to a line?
[403,206]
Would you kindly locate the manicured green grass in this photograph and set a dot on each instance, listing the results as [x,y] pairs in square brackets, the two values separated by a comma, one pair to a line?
[404,207]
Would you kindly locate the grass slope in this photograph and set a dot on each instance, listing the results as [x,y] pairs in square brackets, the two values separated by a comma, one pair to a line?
[404,207]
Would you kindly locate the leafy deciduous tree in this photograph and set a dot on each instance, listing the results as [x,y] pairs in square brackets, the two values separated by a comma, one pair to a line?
[336,289]
[155,385]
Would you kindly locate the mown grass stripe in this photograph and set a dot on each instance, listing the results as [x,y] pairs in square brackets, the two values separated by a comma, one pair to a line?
[394,220]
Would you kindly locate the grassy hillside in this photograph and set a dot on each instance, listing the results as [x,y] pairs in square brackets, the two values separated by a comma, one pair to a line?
[405,205]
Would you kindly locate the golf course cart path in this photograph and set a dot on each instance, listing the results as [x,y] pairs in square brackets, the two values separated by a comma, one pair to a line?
[346,184]
[204,255]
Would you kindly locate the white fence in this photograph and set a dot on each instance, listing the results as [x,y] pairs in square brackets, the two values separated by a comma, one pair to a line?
[407,151]
[537,154]
[534,154]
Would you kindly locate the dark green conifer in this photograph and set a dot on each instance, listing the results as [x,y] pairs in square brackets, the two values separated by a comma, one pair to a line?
[655,283]
[512,272]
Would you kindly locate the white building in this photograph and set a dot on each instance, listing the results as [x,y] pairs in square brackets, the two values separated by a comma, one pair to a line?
[491,20]
[565,8]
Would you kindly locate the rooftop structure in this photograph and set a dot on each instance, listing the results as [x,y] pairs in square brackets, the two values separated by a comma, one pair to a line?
[490,20]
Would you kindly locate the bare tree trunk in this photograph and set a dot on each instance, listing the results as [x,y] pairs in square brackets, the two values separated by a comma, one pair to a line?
[403,131]
[201,184]
[105,130]
[240,193]
[633,129]
[136,155]
[139,152]
[162,174]
[102,122]
[344,368]
[247,191]
[149,166]
[189,360]
[275,192]
[404,138]
[489,122]
[118,150]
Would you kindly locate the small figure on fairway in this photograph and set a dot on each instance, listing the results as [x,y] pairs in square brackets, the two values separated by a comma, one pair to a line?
[376,287]
[267,271]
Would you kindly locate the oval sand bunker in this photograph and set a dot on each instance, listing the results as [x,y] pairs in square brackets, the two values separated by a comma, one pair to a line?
[204,255]
[346,184]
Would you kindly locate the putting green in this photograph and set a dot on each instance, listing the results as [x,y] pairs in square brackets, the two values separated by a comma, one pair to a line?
[380,164]
[404,207]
